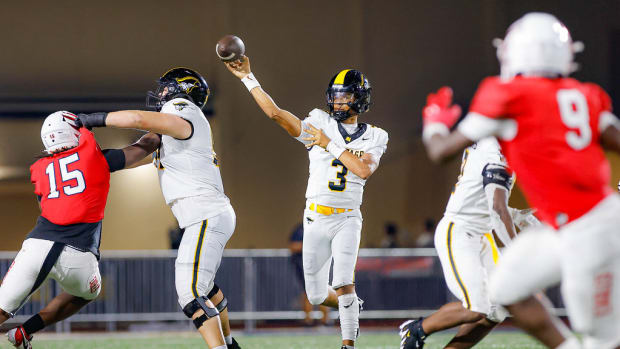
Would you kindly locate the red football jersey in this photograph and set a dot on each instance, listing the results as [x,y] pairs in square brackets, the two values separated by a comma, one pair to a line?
[556,152]
[74,184]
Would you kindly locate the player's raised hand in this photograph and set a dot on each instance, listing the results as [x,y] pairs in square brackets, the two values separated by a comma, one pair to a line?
[240,68]
[439,108]
[317,137]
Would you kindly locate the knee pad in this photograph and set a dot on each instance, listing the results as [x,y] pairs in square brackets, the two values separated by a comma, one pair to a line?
[223,303]
[316,299]
[200,303]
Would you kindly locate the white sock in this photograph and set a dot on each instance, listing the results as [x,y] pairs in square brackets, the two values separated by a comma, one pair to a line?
[349,347]
[221,347]
[570,343]
[228,339]
[349,310]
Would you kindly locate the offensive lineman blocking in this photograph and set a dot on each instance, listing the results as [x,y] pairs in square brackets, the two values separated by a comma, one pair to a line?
[343,155]
[191,183]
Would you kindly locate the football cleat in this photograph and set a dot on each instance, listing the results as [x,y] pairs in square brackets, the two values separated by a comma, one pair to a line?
[234,345]
[19,338]
[412,335]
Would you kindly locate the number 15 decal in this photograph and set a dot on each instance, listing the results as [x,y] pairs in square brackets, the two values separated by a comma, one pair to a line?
[66,176]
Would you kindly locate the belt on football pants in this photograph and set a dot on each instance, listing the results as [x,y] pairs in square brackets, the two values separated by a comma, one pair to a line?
[326,210]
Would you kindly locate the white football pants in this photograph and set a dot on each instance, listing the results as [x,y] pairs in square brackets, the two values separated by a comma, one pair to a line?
[200,255]
[468,257]
[338,236]
[76,271]
[585,256]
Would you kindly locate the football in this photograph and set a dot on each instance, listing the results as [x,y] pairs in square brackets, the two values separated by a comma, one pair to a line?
[230,48]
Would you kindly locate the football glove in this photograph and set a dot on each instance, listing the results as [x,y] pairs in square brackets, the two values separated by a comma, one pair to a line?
[439,108]
[92,120]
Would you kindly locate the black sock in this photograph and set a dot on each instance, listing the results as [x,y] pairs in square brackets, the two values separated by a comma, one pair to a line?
[33,325]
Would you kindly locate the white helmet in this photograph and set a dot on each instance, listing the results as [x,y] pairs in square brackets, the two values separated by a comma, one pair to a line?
[537,44]
[60,132]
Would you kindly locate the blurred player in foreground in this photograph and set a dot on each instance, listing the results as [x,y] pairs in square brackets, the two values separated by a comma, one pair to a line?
[343,155]
[190,180]
[71,181]
[551,129]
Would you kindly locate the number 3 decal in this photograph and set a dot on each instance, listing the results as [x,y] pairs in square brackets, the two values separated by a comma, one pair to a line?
[342,177]
[65,175]
[574,113]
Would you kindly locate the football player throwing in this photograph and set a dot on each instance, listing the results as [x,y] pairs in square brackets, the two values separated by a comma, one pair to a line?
[71,180]
[552,130]
[190,180]
[343,155]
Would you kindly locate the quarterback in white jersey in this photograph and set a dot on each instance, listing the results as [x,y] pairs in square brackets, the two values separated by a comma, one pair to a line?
[191,183]
[343,154]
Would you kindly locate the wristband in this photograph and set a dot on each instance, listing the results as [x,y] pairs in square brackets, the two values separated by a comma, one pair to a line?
[250,82]
[433,129]
[334,149]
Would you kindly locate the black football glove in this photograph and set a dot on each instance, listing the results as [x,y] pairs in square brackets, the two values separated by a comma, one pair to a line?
[92,120]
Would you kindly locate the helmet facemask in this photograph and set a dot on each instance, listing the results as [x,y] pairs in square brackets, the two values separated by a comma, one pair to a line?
[354,93]
[166,90]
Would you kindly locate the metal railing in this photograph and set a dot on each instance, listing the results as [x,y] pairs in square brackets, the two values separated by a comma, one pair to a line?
[259,284]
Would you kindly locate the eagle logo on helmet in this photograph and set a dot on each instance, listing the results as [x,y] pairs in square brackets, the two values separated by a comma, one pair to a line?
[179,83]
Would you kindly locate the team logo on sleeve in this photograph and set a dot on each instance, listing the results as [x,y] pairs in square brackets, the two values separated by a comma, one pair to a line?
[180,105]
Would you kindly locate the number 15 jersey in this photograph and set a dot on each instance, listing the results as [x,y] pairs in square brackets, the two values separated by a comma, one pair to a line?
[330,182]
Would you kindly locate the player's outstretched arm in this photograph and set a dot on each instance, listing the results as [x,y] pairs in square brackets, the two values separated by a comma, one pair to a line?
[501,218]
[284,118]
[138,151]
[162,123]
[363,167]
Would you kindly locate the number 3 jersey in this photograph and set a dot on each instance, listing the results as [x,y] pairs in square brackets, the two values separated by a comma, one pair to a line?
[330,182]
[189,174]
[549,131]
[73,188]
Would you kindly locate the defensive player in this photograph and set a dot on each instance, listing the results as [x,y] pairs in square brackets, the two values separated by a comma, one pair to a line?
[71,182]
[190,180]
[551,129]
[343,155]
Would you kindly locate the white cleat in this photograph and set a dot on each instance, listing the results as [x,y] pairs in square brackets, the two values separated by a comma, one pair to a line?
[19,338]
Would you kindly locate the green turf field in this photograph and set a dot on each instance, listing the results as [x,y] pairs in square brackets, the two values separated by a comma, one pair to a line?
[280,340]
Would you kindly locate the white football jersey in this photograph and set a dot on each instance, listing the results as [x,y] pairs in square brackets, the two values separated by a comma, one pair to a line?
[468,202]
[188,170]
[330,182]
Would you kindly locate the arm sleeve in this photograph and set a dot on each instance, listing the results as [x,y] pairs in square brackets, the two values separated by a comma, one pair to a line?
[496,174]
[115,159]
[316,118]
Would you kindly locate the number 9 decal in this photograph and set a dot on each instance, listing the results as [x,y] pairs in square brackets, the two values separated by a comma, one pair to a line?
[574,113]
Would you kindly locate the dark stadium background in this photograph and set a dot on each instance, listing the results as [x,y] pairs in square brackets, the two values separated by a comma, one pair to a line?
[89,56]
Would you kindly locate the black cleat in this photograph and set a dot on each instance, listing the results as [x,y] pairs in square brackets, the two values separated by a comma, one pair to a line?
[412,335]
[234,345]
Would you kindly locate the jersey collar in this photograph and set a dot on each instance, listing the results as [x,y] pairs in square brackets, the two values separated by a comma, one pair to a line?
[348,138]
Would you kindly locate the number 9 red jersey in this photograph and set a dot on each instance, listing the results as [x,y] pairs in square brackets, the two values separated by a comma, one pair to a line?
[73,185]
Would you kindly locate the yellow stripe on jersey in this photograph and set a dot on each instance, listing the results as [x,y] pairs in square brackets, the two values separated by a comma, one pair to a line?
[339,80]
[453,265]
[493,247]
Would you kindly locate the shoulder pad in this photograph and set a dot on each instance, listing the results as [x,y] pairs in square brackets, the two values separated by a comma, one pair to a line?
[496,174]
